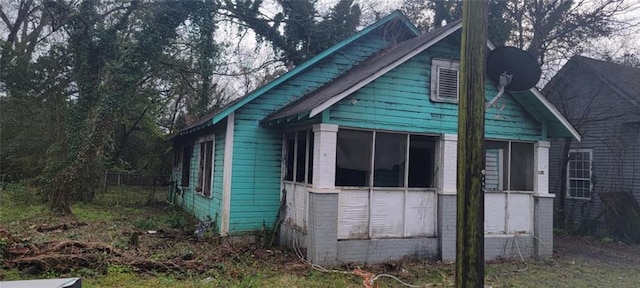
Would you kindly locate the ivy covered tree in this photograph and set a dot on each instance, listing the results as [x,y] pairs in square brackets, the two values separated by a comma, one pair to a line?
[298,32]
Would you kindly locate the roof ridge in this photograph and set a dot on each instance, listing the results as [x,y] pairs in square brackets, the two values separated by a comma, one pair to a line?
[215,116]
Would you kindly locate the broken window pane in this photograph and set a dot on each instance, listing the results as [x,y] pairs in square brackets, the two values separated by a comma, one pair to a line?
[186,165]
[421,161]
[310,165]
[301,156]
[522,166]
[290,156]
[353,159]
[389,162]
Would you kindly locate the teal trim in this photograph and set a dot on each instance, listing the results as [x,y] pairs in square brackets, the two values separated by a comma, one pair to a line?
[304,66]
[326,115]
[544,131]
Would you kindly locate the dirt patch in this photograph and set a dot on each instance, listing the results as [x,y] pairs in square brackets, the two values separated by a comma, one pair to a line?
[590,248]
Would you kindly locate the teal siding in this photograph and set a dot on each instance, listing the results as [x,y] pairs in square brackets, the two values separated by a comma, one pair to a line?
[205,207]
[256,178]
[399,101]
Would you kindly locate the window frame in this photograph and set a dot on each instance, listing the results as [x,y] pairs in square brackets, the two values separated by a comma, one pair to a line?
[295,158]
[436,65]
[505,177]
[185,175]
[370,184]
[202,168]
[569,178]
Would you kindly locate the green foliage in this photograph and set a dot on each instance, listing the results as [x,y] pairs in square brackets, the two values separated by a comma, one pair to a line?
[304,36]
[20,201]
[145,224]
[607,240]
[178,220]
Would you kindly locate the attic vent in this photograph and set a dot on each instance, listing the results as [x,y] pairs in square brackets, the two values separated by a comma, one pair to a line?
[444,81]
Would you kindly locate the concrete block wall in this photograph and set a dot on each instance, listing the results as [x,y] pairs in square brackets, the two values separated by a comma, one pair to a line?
[323,228]
[447,226]
[543,225]
[381,250]
[291,237]
[508,246]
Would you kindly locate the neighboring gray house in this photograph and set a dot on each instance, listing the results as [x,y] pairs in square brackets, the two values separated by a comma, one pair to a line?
[602,100]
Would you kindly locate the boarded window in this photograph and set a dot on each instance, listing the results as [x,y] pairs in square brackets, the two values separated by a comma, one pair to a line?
[444,81]
[186,165]
[579,173]
[205,171]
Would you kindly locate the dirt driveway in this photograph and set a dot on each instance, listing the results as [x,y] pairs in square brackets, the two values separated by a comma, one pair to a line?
[592,248]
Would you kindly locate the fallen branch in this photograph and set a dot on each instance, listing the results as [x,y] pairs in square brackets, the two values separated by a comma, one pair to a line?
[63,226]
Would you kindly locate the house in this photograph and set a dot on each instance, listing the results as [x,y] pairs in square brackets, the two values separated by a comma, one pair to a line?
[602,100]
[352,154]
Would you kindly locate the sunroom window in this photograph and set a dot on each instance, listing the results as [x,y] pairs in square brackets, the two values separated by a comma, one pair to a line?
[508,166]
[299,156]
[396,159]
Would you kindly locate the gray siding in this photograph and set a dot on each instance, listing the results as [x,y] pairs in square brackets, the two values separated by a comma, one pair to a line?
[599,114]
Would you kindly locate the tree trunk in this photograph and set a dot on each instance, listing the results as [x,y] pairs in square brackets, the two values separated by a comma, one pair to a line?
[561,216]
[470,182]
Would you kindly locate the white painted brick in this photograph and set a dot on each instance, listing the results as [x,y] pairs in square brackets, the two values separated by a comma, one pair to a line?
[324,155]
[541,179]
[448,163]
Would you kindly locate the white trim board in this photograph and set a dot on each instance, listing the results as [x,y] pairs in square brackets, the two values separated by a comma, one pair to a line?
[226,174]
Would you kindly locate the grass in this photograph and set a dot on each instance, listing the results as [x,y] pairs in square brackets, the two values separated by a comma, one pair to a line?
[234,265]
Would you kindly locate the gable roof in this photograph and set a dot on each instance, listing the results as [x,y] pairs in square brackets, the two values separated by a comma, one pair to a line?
[623,79]
[377,65]
[216,116]
[362,74]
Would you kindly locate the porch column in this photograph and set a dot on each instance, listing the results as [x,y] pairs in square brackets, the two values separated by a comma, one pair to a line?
[323,198]
[541,164]
[447,196]
[543,203]
[325,138]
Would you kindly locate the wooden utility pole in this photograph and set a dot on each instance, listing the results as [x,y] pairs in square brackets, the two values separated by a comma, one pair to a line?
[470,186]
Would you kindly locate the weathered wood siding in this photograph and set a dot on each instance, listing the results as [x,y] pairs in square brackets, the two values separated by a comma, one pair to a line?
[256,177]
[206,208]
[399,101]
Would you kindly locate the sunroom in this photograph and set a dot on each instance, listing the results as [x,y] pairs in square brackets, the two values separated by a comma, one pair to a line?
[386,182]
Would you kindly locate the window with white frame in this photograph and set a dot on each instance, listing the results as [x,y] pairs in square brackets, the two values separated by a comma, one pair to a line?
[299,156]
[445,80]
[579,173]
[509,166]
[205,168]
[381,159]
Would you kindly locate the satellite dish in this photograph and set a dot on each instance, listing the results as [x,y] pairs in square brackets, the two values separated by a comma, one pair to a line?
[521,65]
[513,69]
